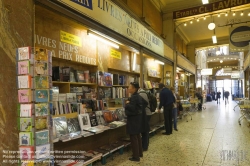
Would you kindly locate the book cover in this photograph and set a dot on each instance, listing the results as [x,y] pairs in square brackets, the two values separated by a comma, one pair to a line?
[107,79]
[100,118]
[79,76]
[100,78]
[63,107]
[62,97]
[56,110]
[23,67]
[42,137]
[66,74]
[72,76]
[41,68]
[71,97]
[55,93]
[79,97]
[25,110]
[86,76]
[121,80]
[24,81]
[61,126]
[73,125]
[26,124]
[41,109]
[41,82]
[93,120]
[115,79]
[92,77]
[41,123]
[57,73]
[43,151]
[107,93]
[41,54]
[73,107]
[26,152]
[41,95]
[23,53]
[101,94]
[84,121]
[25,138]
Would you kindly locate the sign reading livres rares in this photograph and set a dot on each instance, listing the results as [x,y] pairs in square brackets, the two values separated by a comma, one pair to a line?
[224,4]
[112,16]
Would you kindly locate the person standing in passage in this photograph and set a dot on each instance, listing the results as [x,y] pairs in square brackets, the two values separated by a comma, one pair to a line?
[226,97]
[175,107]
[166,101]
[133,111]
[145,125]
[218,96]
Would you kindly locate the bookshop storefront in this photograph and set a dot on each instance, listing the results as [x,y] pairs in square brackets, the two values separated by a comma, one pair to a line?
[96,54]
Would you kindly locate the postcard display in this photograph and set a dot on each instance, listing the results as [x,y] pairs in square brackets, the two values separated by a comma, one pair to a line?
[34,80]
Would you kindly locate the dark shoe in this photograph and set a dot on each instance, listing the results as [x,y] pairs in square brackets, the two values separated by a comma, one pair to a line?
[176,129]
[134,159]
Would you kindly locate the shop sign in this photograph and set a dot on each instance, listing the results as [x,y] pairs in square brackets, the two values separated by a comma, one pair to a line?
[235,75]
[112,16]
[223,4]
[70,38]
[239,38]
[115,54]
[206,72]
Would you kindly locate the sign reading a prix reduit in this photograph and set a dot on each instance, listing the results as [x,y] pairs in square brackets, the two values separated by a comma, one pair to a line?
[223,4]
[112,16]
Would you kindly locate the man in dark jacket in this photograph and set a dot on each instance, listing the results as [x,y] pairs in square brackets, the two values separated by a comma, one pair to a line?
[134,112]
[166,101]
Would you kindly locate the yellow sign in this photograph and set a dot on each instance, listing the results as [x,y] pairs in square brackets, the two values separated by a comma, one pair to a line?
[70,39]
[115,54]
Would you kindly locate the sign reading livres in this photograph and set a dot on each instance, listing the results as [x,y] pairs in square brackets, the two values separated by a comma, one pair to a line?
[115,54]
[112,16]
[223,4]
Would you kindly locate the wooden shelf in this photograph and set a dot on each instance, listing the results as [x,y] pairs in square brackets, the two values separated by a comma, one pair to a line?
[73,83]
[154,77]
[104,86]
[120,85]
[123,71]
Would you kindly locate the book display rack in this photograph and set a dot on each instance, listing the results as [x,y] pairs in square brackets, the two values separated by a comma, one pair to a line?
[34,73]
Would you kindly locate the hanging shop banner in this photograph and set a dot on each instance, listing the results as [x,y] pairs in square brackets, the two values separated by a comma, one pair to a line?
[115,54]
[206,72]
[112,16]
[223,4]
[239,38]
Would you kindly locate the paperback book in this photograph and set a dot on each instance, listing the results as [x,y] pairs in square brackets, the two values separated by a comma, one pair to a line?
[92,77]
[73,127]
[43,151]
[25,110]
[84,121]
[41,123]
[79,76]
[41,82]
[24,81]
[42,137]
[25,138]
[23,67]
[41,95]
[86,76]
[93,120]
[61,126]
[107,79]
[41,109]
[26,152]
[23,53]
[41,54]
[41,68]
[26,124]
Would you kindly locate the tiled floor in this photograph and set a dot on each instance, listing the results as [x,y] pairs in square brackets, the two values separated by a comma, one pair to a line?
[212,138]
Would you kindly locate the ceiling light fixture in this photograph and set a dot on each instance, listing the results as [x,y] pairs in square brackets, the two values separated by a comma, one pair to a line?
[249,14]
[234,14]
[214,39]
[204,18]
[191,22]
[205,2]
[221,61]
[218,52]
[211,26]
[218,15]
[198,20]
[226,14]
[185,24]
[241,13]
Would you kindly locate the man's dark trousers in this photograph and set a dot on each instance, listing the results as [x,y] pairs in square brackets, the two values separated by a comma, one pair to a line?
[168,118]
